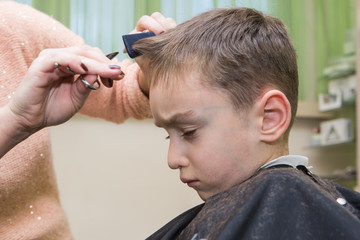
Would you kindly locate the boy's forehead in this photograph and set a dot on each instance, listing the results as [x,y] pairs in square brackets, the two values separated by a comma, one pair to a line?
[186,98]
[173,81]
[171,105]
[170,85]
[174,74]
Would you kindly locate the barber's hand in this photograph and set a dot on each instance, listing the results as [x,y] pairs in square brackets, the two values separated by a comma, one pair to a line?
[157,24]
[50,94]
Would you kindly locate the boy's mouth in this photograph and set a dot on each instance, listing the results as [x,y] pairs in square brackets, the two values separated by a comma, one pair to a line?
[190,183]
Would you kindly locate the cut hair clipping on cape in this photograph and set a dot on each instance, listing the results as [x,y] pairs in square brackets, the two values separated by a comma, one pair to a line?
[130,39]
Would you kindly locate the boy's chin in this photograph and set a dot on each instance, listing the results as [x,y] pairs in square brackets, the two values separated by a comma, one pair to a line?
[205,195]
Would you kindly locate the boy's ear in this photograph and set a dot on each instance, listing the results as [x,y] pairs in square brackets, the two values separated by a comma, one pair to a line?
[274,113]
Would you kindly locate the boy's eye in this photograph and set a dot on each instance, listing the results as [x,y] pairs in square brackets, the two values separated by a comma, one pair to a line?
[189,133]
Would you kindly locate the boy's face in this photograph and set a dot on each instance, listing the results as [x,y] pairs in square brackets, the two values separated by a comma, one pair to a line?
[212,144]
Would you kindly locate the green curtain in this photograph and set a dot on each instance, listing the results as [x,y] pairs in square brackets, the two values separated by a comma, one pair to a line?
[318,28]
[60,10]
[145,7]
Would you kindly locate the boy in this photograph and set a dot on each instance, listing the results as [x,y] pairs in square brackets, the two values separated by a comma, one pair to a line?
[224,86]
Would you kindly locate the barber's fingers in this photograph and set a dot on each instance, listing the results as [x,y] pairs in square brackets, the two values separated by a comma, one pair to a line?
[108,82]
[102,69]
[146,24]
[94,53]
[166,23]
[156,23]
[89,52]
[91,66]
[55,61]
[73,55]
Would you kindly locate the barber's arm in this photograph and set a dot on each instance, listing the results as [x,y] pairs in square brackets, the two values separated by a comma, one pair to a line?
[129,97]
[49,93]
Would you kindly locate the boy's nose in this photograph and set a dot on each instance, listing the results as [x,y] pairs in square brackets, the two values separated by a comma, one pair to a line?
[176,159]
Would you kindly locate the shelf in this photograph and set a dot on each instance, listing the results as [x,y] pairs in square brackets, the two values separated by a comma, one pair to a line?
[348,173]
[343,144]
[309,110]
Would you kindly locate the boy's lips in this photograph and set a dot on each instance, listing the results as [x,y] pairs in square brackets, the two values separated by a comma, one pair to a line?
[189,182]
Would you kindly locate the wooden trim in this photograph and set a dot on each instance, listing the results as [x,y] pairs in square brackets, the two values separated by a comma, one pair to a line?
[357,109]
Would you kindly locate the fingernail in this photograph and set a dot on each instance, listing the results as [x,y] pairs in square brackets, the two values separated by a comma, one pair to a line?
[111,82]
[112,55]
[84,67]
[114,67]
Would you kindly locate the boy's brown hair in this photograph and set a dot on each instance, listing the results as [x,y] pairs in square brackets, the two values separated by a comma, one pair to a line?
[238,50]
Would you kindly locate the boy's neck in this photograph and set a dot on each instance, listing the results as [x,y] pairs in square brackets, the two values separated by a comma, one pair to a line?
[273,151]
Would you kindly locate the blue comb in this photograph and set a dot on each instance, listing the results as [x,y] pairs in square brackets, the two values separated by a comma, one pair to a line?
[130,39]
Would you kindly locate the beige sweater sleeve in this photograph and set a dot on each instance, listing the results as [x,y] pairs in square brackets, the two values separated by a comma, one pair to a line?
[122,101]
[37,31]
[29,200]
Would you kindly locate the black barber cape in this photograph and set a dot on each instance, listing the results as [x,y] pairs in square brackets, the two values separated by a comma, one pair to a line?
[275,203]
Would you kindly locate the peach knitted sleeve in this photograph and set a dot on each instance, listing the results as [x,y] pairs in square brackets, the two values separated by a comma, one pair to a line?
[29,201]
[122,101]
[37,31]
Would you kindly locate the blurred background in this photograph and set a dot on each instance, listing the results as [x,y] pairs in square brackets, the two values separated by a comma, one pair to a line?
[114,181]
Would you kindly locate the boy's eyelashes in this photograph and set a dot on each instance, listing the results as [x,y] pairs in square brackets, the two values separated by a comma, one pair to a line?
[189,133]
[186,134]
